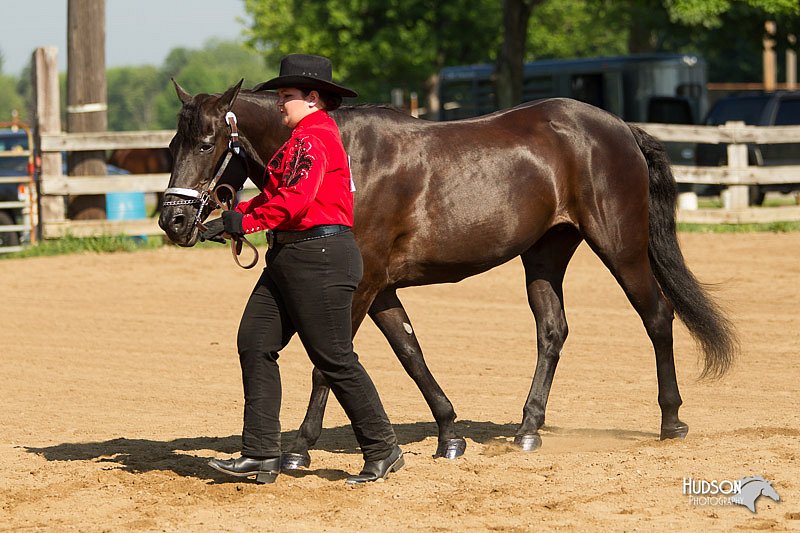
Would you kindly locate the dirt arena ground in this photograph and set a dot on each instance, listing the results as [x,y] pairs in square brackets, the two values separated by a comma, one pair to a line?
[120,380]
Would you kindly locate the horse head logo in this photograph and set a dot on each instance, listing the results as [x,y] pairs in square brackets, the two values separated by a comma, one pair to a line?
[752,488]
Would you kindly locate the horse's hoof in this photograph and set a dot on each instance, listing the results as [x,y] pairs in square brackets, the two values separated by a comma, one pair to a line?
[678,431]
[529,442]
[451,448]
[295,461]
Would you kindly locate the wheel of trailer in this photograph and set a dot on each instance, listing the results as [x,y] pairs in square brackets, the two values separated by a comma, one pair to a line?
[7,238]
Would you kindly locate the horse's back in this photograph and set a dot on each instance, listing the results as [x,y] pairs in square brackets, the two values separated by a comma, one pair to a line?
[457,198]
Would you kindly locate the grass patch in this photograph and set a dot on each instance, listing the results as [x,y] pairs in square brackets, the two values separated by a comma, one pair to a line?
[113,244]
[770,227]
[73,245]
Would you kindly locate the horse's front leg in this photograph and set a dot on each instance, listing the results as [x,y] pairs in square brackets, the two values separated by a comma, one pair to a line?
[389,315]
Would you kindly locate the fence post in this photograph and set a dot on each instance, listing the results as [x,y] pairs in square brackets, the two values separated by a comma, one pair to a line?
[47,119]
[737,196]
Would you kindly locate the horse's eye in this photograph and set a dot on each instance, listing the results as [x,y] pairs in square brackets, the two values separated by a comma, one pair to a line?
[206,148]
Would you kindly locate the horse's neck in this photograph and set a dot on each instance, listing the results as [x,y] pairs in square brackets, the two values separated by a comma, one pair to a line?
[260,125]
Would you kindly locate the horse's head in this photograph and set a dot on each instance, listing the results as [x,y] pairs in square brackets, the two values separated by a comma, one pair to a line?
[769,491]
[198,150]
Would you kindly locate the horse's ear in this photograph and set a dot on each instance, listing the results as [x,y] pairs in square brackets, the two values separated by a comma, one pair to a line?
[182,94]
[229,97]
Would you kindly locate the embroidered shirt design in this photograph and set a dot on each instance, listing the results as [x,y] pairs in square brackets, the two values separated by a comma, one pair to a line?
[300,165]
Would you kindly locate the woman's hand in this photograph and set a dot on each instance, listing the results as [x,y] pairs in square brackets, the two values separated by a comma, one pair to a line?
[214,230]
[232,222]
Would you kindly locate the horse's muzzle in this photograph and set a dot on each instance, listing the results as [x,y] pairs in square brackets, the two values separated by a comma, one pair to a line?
[179,226]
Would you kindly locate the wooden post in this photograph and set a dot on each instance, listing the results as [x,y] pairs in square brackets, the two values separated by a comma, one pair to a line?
[47,119]
[86,95]
[770,76]
[736,196]
[791,62]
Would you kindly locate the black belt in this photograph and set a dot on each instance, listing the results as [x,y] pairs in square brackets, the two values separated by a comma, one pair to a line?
[317,232]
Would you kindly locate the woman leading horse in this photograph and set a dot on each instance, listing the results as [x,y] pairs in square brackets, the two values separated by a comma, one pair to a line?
[313,268]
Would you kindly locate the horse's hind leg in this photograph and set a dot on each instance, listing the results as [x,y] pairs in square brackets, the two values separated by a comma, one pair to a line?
[389,315]
[545,263]
[310,429]
[630,265]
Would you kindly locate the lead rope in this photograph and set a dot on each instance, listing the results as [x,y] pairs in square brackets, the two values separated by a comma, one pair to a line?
[236,240]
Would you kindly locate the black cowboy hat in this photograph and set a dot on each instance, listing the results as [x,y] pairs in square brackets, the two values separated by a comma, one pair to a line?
[306,71]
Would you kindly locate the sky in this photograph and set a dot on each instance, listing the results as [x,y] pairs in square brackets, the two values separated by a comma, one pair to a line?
[138,32]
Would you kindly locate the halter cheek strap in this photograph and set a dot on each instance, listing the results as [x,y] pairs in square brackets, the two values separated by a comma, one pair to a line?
[233,142]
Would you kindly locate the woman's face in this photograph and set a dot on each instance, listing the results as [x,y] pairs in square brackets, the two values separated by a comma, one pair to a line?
[295,106]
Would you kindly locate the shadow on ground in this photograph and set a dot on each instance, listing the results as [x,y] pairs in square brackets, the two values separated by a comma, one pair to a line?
[180,455]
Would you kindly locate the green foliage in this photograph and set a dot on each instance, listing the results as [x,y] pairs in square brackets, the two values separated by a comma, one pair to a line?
[130,95]
[577,28]
[10,99]
[216,67]
[376,45]
[708,13]
[143,97]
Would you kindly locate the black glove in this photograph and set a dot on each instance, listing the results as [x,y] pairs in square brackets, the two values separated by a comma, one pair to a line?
[232,221]
[214,230]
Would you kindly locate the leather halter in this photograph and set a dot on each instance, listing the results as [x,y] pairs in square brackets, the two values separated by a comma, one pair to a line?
[210,196]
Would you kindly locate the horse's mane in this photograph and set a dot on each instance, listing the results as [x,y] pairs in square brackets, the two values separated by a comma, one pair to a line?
[189,124]
[367,108]
[373,106]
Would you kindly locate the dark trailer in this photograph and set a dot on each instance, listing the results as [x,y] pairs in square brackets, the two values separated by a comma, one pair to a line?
[664,88]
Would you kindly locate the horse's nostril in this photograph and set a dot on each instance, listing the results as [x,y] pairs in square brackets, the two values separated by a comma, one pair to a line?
[178,220]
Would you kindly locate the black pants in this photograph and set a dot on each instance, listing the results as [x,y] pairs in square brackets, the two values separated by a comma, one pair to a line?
[307,288]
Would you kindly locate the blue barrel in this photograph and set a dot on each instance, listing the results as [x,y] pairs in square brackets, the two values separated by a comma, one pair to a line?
[125,206]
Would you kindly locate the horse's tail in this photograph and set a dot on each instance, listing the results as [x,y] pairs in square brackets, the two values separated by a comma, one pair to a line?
[709,326]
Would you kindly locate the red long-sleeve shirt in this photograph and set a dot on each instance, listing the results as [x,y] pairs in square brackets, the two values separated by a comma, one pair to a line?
[307,182]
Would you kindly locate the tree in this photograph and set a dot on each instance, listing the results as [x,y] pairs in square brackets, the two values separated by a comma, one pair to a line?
[10,99]
[214,68]
[709,13]
[377,45]
[131,91]
[577,28]
[142,97]
[516,14]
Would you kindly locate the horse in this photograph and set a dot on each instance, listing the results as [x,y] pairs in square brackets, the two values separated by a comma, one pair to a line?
[143,161]
[437,202]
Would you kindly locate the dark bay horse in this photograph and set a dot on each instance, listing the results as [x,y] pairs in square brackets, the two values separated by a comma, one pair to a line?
[438,202]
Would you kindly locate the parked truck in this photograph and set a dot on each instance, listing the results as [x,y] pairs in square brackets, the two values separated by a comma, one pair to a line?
[16,180]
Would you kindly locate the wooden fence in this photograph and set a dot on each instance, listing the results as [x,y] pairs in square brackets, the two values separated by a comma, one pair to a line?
[54,187]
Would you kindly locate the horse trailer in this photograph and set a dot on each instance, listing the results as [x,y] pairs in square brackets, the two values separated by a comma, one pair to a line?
[664,88]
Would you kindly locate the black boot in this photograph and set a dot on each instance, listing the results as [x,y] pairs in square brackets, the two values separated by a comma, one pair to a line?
[265,470]
[375,470]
